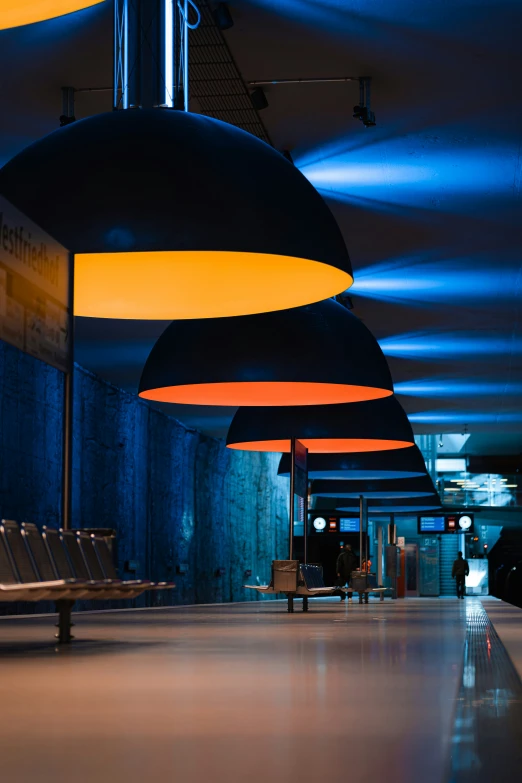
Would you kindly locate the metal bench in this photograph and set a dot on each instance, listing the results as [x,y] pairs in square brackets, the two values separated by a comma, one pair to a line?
[61,566]
[294,580]
[364,584]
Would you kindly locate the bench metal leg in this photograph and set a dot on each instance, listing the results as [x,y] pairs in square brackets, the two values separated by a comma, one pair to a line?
[381,597]
[366,596]
[291,604]
[305,604]
[64,609]
[360,598]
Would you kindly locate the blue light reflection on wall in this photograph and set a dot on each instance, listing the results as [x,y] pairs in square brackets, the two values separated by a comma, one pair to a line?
[468,417]
[418,281]
[433,387]
[448,345]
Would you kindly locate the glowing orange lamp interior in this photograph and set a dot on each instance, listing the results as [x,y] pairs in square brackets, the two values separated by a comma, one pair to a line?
[264,394]
[14,13]
[198,284]
[324,445]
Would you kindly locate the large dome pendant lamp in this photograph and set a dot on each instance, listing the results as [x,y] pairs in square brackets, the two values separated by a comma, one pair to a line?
[379,425]
[310,355]
[383,489]
[399,506]
[14,13]
[397,464]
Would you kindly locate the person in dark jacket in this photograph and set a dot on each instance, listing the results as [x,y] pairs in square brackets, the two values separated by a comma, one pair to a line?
[346,563]
[459,572]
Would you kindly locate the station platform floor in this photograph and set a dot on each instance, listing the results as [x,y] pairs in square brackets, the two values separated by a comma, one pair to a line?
[416,690]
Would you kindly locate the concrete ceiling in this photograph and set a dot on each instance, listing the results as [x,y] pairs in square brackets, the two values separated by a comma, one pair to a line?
[429,201]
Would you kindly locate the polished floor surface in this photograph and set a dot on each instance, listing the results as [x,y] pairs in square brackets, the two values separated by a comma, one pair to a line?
[242,692]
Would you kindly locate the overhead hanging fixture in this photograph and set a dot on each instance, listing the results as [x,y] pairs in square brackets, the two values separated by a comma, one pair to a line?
[177,215]
[15,13]
[383,489]
[399,506]
[404,463]
[379,425]
[310,355]
[170,214]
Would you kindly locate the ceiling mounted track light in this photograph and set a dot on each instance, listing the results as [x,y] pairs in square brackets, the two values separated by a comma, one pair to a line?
[376,490]
[310,355]
[398,464]
[14,13]
[378,425]
[174,215]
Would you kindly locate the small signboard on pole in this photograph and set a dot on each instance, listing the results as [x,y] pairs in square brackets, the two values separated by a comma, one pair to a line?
[35,307]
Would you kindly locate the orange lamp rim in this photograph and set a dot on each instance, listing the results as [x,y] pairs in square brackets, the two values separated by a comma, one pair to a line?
[324,445]
[265,393]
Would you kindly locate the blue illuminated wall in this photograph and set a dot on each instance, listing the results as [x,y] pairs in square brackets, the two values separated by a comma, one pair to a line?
[174,496]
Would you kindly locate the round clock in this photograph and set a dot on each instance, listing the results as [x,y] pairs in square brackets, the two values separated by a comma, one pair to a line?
[465,522]
[319,523]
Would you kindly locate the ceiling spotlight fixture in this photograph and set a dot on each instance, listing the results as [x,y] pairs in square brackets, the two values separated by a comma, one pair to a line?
[256,360]
[259,99]
[223,17]
[363,111]
[400,464]
[379,489]
[14,13]
[379,425]
[179,216]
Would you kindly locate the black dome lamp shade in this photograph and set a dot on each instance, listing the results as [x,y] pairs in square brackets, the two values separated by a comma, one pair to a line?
[177,215]
[397,464]
[310,355]
[380,489]
[399,506]
[377,425]
[14,13]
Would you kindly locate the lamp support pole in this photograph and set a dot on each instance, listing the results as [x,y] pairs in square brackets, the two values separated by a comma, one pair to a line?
[67,442]
[292,496]
[361,524]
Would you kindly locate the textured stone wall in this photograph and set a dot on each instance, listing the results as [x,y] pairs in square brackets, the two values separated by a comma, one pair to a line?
[174,496]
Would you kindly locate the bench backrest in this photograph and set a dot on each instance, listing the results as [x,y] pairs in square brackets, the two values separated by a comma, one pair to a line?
[38,551]
[312,576]
[7,572]
[89,555]
[78,563]
[14,543]
[284,575]
[105,557]
[55,547]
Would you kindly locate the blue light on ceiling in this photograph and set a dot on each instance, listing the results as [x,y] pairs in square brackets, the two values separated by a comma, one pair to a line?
[418,281]
[448,345]
[467,417]
[433,387]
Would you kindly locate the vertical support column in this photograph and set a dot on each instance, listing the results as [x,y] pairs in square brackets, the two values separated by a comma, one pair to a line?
[361,524]
[292,511]
[379,556]
[185,57]
[67,448]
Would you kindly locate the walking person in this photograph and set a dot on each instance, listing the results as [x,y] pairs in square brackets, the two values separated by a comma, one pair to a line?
[346,563]
[459,572]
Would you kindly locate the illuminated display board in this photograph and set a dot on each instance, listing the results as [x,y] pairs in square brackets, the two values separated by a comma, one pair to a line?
[449,523]
[349,525]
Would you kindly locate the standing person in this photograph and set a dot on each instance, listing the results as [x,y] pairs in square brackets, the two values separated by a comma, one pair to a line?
[346,563]
[459,572]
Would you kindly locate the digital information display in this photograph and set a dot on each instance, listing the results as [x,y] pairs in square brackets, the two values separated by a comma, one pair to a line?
[349,525]
[449,523]
[432,524]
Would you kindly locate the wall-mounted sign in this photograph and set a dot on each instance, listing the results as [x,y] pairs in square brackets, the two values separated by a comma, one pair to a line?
[448,523]
[34,289]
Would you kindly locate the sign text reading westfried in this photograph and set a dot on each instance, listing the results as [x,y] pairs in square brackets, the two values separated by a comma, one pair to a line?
[18,243]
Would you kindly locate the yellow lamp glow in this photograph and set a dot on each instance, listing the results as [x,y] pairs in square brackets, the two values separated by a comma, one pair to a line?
[198,284]
[14,13]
